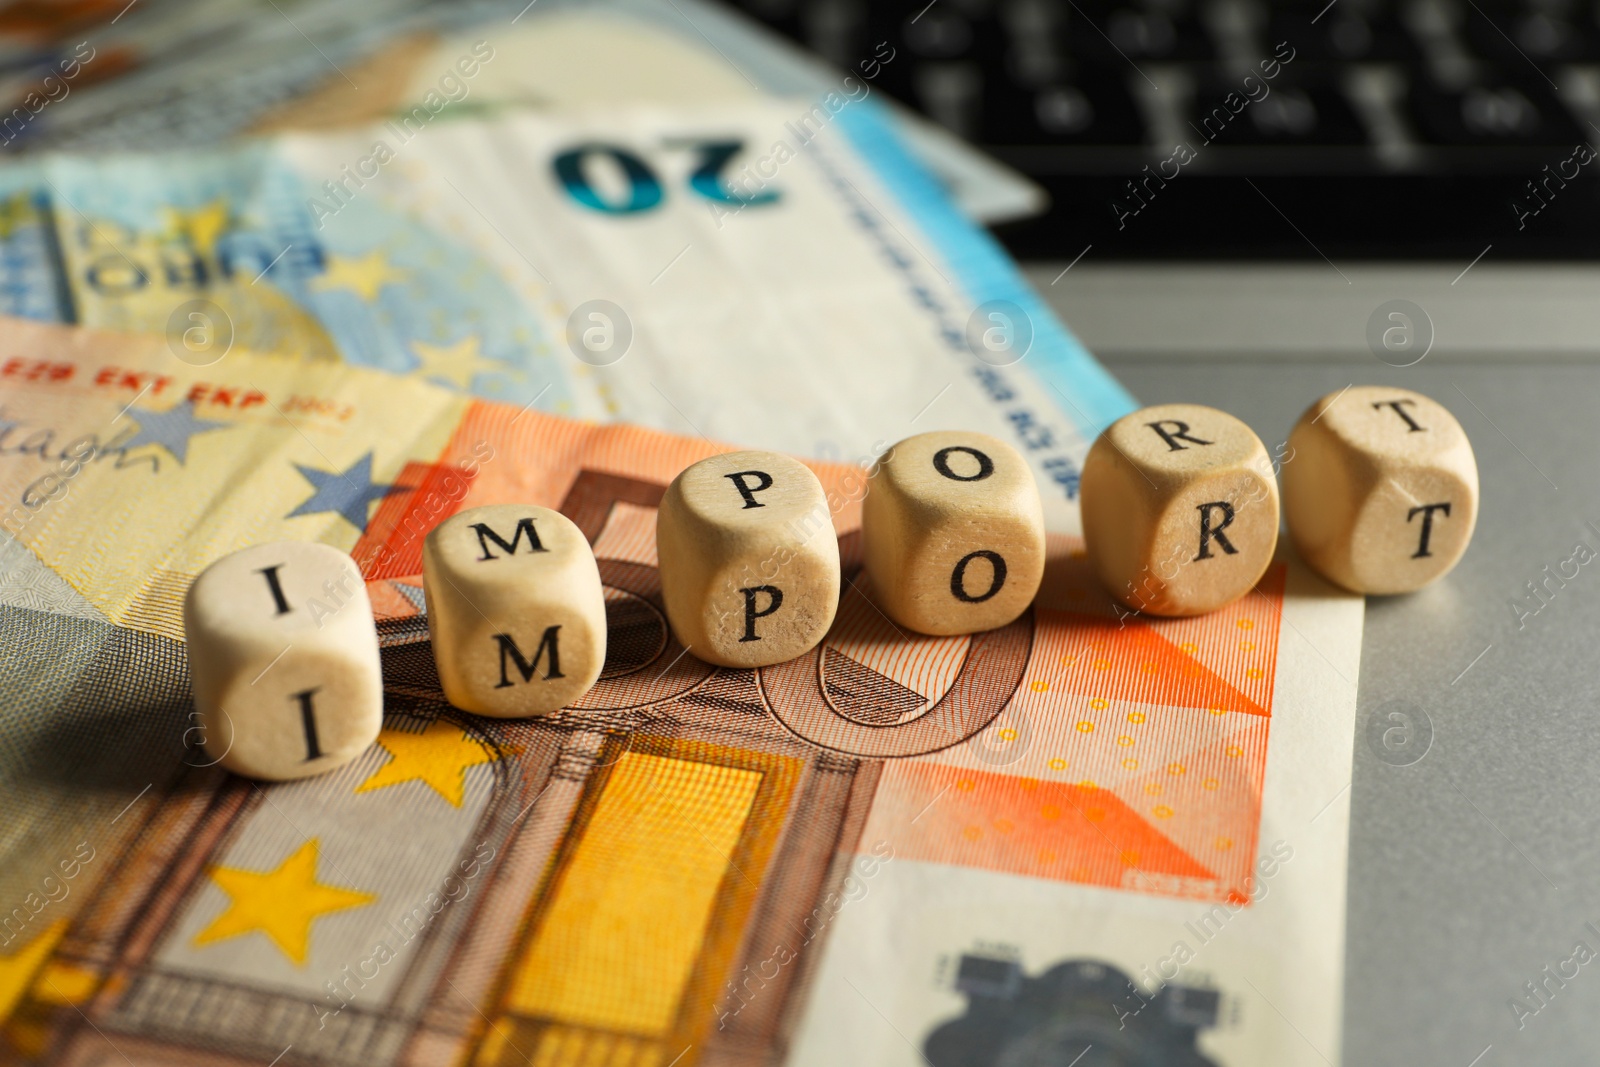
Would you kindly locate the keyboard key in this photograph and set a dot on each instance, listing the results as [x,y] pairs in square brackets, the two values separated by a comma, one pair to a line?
[1506,113]
[1095,111]
[835,29]
[950,93]
[941,32]
[1340,34]
[1126,34]
[1289,114]
[1524,37]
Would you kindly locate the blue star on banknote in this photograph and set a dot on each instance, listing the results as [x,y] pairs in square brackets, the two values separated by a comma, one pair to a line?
[348,492]
[171,429]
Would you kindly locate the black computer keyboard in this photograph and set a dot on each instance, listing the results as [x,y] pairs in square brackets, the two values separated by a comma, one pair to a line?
[1248,128]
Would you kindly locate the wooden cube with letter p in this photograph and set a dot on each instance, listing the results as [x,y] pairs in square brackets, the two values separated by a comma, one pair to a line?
[953,533]
[283,657]
[515,609]
[1180,509]
[749,559]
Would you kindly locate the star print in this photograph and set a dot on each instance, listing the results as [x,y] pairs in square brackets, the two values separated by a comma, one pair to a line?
[363,275]
[202,225]
[438,757]
[171,429]
[17,970]
[281,903]
[457,364]
[349,492]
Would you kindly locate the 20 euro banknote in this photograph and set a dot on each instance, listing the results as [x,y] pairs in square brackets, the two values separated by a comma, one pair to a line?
[765,272]
[1077,830]
[200,72]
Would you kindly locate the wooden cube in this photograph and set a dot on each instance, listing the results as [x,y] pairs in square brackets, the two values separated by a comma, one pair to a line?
[1180,509]
[515,609]
[749,559]
[952,533]
[283,657]
[1380,489]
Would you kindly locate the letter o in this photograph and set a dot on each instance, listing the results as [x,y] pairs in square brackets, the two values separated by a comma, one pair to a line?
[941,463]
[959,574]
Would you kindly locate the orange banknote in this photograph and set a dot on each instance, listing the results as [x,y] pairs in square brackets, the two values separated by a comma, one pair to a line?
[1079,829]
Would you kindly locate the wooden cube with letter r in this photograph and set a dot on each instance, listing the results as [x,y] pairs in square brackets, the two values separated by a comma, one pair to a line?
[1180,509]
[515,609]
[283,657]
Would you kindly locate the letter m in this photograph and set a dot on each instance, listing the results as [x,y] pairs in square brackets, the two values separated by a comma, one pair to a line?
[485,535]
[526,667]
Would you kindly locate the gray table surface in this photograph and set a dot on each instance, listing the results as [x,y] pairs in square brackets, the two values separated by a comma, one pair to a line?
[1477,866]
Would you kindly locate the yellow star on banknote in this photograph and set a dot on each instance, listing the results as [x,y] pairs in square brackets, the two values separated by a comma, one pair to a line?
[439,756]
[202,225]
[18,967]
[281,903]
[16,211]
[457,364]
[363,275]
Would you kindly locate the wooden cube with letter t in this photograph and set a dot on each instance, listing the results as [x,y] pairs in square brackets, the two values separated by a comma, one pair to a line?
[1382,491]
[1180,509]
[749,559]
[515,610]
[283,657]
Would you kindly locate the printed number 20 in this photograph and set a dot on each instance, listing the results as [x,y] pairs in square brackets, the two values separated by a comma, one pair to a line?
[644,187]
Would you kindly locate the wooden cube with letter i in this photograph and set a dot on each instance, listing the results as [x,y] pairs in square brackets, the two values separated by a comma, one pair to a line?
[283,657]
[515,609]
[749,559]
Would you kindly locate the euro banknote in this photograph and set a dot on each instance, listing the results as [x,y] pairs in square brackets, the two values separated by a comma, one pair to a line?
[666,265]
[1083,829]
[199,72]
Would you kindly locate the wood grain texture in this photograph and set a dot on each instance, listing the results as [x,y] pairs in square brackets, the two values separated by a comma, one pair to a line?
[515,609]
[1381,490]
[953,533]
[749,559]
[283,657]
[1180,509]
